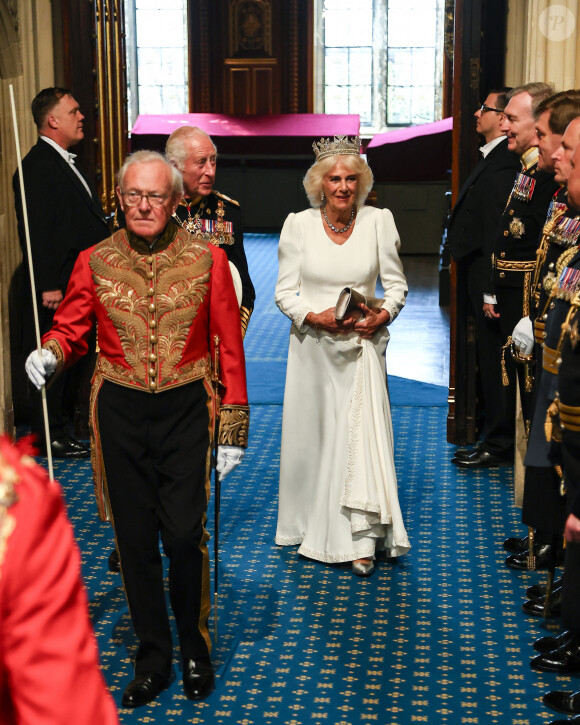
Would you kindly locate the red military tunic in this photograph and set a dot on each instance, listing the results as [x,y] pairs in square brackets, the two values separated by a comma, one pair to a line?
[49,670]
[158,312]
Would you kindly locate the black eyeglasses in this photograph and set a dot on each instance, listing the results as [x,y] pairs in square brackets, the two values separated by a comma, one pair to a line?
[485,108]
[133,198]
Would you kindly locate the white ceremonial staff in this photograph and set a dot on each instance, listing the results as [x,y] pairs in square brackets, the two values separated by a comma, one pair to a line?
[32,283]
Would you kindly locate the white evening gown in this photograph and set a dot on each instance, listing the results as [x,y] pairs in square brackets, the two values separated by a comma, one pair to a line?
[338,487]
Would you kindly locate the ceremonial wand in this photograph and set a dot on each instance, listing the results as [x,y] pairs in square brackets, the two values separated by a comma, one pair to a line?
[32,282]
[217,492]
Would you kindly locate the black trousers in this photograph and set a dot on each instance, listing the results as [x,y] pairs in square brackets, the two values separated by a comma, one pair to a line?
[571,590]
[498,401]
[155,451]
[543,507]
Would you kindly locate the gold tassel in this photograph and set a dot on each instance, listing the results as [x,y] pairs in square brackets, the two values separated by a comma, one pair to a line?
[504,376]
[531,542]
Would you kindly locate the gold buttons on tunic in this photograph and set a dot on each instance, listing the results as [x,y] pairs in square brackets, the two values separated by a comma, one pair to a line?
[152,385]
[150,292]
[149,274]
[149,259]
[502,274]
[152,323]
[505,233]
[153,339]
[152,371]
[152,307]
[511,212]
[153,357]
[503,254]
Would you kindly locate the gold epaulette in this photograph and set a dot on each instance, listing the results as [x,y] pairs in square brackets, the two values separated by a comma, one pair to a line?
[245,315]
[539,330]
[530,158]
[225,198]
[550,360]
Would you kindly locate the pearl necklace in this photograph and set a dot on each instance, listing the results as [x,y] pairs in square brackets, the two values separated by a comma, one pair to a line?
[335,229]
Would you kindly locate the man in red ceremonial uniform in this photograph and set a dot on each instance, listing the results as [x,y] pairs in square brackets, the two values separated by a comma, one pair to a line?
[162,300]
[49,667]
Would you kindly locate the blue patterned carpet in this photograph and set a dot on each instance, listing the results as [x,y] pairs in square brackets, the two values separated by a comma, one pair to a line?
[436,637]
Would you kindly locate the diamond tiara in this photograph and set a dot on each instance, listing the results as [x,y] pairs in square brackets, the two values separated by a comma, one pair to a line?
[339,145]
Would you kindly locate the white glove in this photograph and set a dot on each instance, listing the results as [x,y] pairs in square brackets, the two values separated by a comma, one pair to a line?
[40,368]
[523,336]
[228,457]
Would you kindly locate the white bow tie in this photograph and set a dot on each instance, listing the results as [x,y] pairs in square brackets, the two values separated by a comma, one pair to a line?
[71,158]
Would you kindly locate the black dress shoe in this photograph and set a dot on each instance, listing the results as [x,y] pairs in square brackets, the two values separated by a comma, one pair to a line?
[480,459]
[535,607]
[546,558]
[68,448]
[143,689]
[539,590]
[462,453]
[566,702]
[515,545]
[114,561]
[548,644]
[198,679]
[564,660]
[571,721]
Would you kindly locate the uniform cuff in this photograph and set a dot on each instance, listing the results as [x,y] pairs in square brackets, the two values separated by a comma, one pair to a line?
[234,425]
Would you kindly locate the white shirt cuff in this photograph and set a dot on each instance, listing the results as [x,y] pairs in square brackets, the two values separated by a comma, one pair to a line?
[490,299]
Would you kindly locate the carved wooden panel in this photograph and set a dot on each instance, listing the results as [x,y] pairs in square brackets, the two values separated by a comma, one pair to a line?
[111,87]
[103,102]
[251,56]
[249,87]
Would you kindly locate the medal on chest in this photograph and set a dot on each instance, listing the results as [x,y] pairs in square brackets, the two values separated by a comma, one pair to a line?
[566,233]
[569,283]
[517,228]
[523,187]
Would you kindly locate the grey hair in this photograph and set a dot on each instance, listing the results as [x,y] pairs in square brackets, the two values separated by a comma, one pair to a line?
[146,157]
[313,181]
[176,147]
[537,90]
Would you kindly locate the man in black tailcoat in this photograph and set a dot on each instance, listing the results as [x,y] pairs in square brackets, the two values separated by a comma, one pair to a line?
[64,217]
[471,231]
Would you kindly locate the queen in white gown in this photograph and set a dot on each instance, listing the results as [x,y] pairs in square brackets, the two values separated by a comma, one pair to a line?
[338,487]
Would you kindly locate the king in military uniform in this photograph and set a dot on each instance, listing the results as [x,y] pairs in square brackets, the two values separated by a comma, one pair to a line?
[208,213]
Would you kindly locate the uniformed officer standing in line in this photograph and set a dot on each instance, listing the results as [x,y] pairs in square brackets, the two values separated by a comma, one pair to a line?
[543,506]
[208,213]
[565,658]
[514,256]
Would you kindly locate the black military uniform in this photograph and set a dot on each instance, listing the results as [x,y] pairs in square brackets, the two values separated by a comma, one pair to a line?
[569,415]
[543,505]
[218,219]
[563,360]
[514,254]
